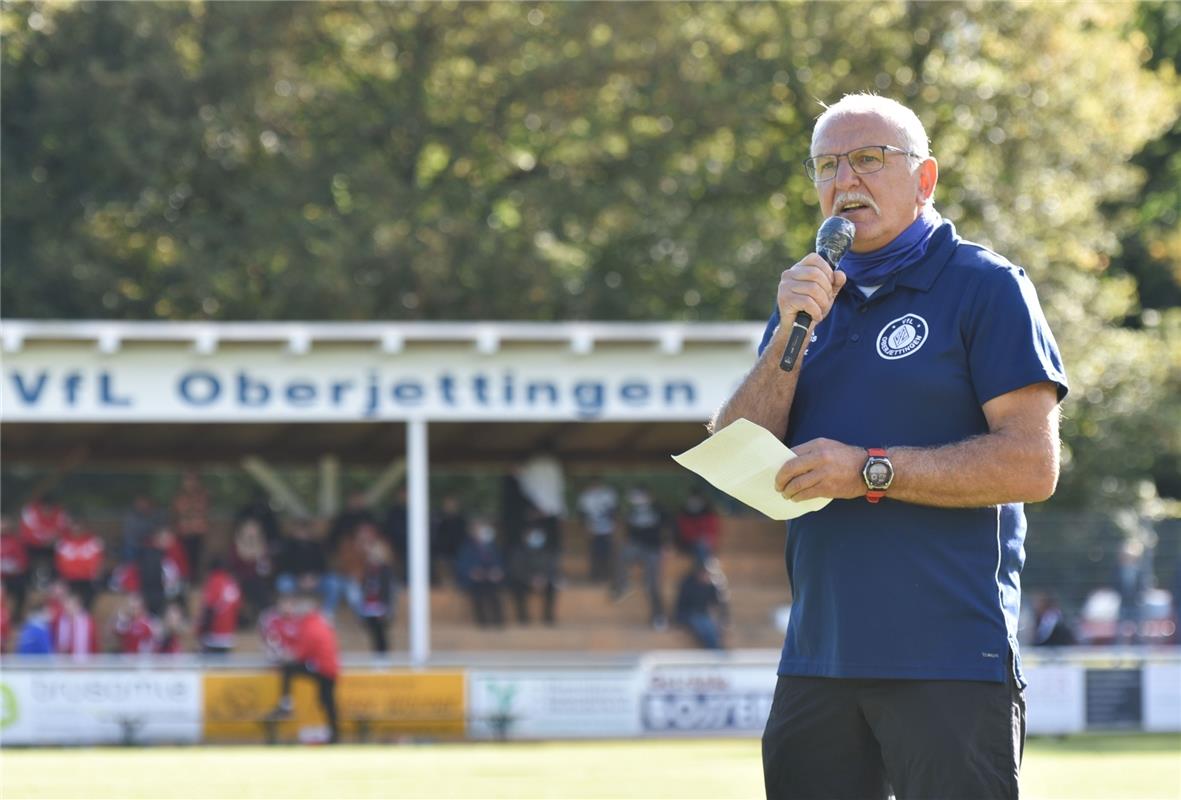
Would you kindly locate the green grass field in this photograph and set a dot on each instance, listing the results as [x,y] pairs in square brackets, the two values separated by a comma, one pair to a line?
[1100,767]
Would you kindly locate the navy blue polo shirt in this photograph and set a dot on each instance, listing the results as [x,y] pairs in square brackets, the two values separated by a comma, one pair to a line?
[893,589]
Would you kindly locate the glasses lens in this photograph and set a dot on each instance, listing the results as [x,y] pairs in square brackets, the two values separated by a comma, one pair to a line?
[867,159]
[823,168]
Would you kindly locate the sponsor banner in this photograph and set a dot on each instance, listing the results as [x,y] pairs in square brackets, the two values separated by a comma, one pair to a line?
[1055,698]
[1162,696]
[375,705]
[245,384]
[557,703]
[706,698]
[90,707]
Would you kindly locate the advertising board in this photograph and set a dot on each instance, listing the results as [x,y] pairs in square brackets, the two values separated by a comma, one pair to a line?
[557,703]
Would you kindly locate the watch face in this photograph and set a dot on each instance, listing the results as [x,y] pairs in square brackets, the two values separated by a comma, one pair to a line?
[877,474]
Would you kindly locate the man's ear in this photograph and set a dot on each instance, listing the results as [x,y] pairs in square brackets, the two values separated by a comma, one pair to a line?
[928,178]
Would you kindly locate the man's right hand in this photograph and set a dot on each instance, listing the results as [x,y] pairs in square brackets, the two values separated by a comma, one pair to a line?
[810,285]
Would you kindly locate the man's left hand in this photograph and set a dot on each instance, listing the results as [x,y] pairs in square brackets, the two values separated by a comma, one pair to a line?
[822,468]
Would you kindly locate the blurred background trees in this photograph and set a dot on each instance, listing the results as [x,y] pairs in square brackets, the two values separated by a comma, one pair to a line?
[592,161]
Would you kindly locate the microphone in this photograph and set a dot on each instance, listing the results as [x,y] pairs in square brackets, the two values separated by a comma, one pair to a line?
[832,241]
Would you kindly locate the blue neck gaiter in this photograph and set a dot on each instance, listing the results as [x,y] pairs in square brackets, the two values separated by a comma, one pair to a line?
[872,268]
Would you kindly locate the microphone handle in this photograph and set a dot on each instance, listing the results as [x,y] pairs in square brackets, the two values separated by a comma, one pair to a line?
[795,342]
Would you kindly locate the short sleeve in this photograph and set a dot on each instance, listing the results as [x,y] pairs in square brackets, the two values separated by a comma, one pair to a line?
[1009,342]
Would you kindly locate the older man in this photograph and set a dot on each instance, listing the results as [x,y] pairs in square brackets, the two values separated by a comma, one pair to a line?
[926,404]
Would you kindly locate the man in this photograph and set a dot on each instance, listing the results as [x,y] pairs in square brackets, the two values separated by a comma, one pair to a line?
[79,561]
[927,406]
[314,652]
[599,506]
[221,605]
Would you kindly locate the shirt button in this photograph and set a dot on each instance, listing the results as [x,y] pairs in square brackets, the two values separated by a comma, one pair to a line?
[856,337]
[863,309]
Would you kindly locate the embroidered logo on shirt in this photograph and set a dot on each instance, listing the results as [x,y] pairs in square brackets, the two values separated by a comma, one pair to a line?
[902,337]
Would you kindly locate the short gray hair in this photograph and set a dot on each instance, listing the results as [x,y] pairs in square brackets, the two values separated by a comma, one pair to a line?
[907,123]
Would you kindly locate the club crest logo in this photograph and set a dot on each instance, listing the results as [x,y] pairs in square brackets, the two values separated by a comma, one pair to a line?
[902,337]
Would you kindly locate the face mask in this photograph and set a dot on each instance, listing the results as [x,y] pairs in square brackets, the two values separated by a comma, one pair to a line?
[695,504]
[535,538]
[485,534]
[638,499]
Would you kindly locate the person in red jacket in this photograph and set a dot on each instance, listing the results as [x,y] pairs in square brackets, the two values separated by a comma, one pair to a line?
[43,522]
[74,632]
[14,567]
[698,526]
[221,605]
[136,631]
[316,654]
[78,557]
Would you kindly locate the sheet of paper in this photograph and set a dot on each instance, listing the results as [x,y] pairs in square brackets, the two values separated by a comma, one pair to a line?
[741,460]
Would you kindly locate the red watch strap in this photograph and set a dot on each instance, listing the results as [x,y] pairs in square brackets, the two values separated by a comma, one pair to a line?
[880,452]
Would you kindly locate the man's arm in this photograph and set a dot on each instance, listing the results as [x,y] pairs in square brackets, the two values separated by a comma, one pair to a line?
[1016,461]
[766,393]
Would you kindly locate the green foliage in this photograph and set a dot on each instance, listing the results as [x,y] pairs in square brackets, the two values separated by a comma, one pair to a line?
[589,161]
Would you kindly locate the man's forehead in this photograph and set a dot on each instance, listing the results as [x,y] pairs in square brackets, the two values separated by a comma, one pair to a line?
[845,131]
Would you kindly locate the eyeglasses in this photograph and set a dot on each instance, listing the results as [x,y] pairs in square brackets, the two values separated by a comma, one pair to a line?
[863,161]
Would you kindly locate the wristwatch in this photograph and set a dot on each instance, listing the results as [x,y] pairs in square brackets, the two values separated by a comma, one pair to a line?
[878,473]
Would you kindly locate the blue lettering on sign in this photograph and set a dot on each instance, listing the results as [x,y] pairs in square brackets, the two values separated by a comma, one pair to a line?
[706,711]
[408,393]
[302,395]
[106,394]
[199,388]
[29,395]
[252,393]
[588,399]
[634,393]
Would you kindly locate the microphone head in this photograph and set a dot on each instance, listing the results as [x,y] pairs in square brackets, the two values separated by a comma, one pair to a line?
[834,238]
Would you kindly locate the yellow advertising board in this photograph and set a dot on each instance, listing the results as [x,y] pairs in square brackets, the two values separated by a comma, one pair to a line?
[371,706]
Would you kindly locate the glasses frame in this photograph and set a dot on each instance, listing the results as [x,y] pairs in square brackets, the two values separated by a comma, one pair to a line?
[810,162]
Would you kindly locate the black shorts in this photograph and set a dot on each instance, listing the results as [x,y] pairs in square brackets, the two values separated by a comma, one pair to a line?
[836,738]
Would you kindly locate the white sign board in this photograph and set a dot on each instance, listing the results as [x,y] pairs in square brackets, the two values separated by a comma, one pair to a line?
[89,707]
[1055,698]
[170,383]
[556,703]
[700,699]
[1162,696]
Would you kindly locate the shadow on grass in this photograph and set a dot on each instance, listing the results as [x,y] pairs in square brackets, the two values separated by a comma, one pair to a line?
[1093,743]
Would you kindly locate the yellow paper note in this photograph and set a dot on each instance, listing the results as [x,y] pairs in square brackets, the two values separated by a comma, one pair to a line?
[741,460]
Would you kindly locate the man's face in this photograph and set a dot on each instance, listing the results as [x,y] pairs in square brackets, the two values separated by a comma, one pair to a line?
[892,197]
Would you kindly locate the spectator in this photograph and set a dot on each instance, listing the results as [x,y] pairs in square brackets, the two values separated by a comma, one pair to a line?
[174,629]
[315,654]
[250,564]
[79,562]
[348,567]
[1050,628]
[190,512]
[598,505]
[258,509]
[301,561]
[74,631]
[479,571]
[43,522]
[1132,581]
[139,523]
[448,532]
[703,602]
[533,568]
[543,484]
[646,524]
[396,532]
[698,526]
[221,603]
[135,630]
[377,593]
[158,574]
[36,635]
[14,566]
[355,514]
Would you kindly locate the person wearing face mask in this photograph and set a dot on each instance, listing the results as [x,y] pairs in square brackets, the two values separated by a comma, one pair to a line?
[646,527]
[926,405]
[533,568]
[479,571]
[698,526]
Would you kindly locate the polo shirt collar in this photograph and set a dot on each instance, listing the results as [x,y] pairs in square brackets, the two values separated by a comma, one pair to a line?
[922,274]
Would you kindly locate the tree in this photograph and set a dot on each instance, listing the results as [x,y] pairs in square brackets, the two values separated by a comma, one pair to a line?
[580,161]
